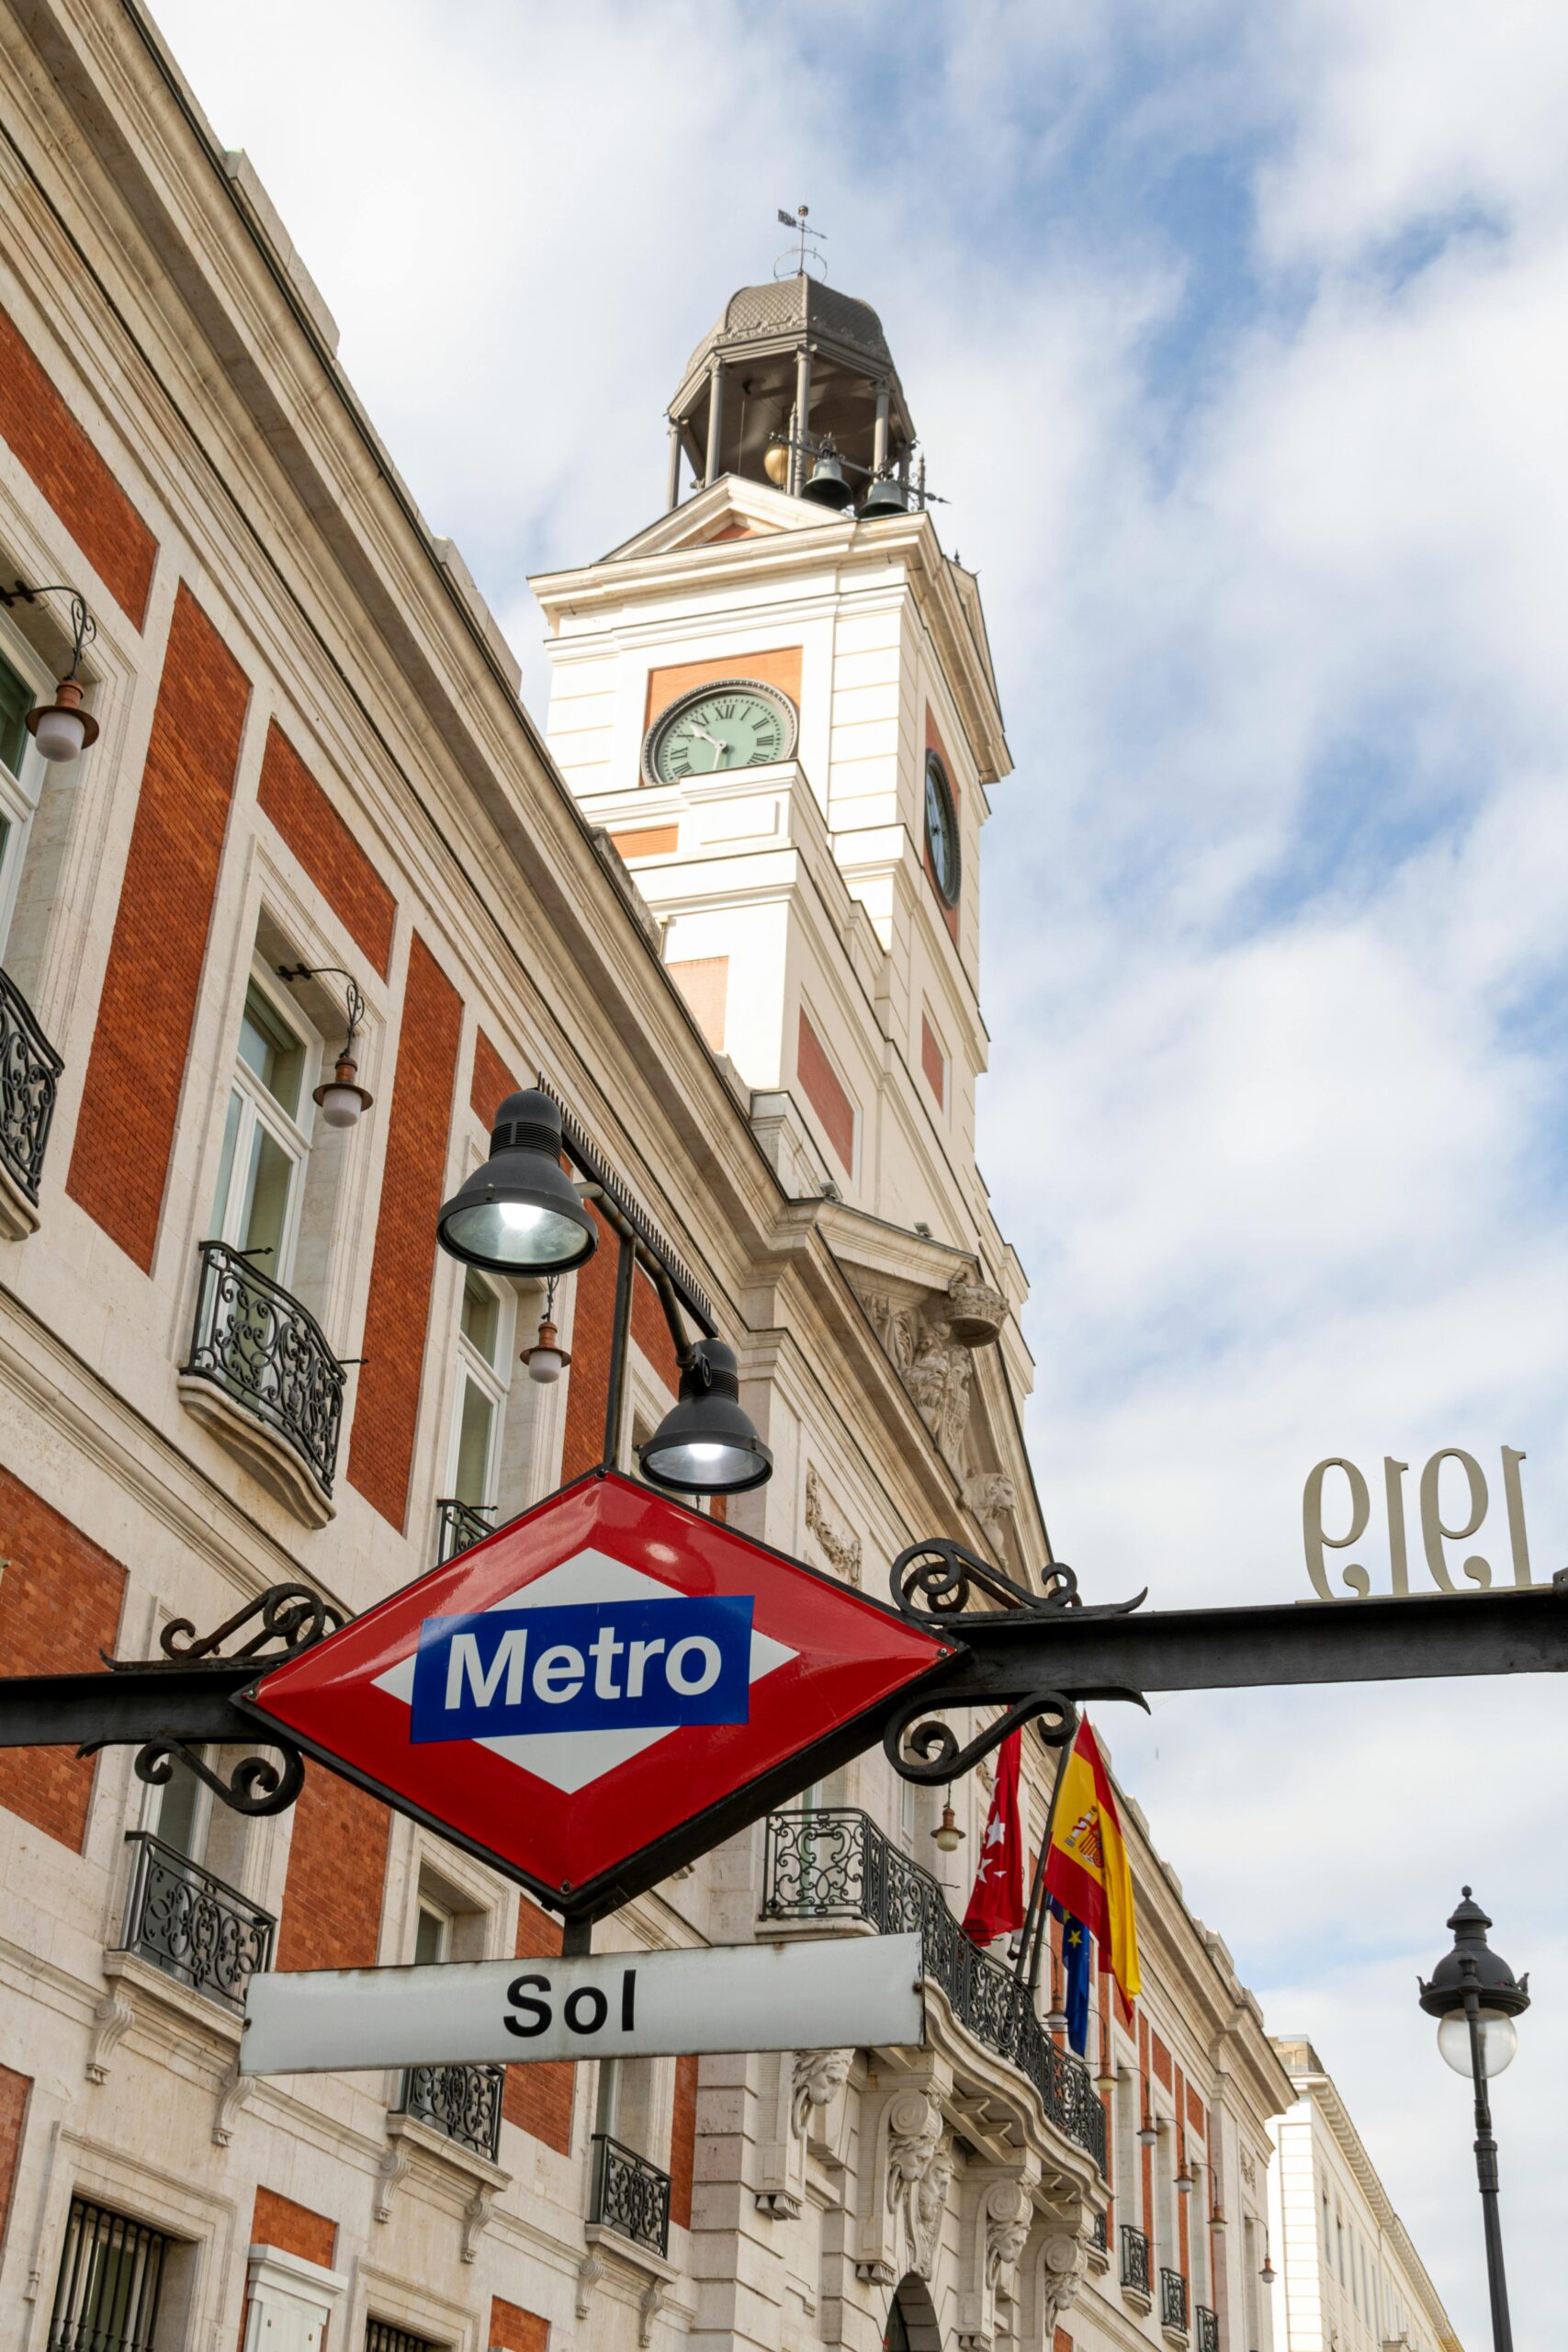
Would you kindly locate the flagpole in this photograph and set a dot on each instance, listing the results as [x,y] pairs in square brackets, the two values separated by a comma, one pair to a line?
[1031,1936]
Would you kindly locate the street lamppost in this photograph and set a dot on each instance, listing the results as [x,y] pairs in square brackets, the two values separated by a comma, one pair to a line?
[1474,1997]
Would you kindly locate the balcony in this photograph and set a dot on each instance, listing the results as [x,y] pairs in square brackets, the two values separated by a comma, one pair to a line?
[30,1075]
[1208,2328]
[630,2196]
[262,1377]
[1135,2262]
[463,2103]
[459,1524]
[190,1925]
[1173,2303]
[835,1863]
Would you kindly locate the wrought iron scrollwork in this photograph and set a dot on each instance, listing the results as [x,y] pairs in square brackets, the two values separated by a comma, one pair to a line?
[292,1617]
[930,1752]
[257,1786]
[29,1074]
[269,1354]
[934,1582]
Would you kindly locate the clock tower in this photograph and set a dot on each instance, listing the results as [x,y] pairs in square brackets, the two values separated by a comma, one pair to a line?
[776,701]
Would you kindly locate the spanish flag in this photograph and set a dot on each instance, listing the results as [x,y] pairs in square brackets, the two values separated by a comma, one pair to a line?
[1086,1867]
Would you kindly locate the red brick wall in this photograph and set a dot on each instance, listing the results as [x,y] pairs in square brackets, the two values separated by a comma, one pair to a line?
[512,2329]
[278,2221]
[587,1382]
[13,2091]
[325,847]
[1061,2341]
[398,1317]
[60,459]
[131,1094]
[824,1089]
[1161,2060]
[538,2097]
[60,1604]
[492,1081]
[651,1333]
[683,2141]
[337,1864]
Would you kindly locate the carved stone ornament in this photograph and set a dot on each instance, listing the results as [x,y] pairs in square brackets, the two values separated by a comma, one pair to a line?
[920,2166]
[842,1549]
[819,2077]
[976,1312]
[993,1499]
[1008,2212]
[1062,2265]
[938,1382]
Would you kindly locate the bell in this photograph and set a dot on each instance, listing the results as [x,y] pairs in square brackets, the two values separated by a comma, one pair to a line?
[826,486]
[885,496]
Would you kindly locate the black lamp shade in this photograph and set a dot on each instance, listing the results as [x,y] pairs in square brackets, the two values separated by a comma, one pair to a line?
[519,1213]
[706,1444]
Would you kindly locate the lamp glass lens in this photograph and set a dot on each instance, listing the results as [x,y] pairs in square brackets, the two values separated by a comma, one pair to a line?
[701,1464]
[60,734]
[1498,2042]
[544,1365]
[516,1233]
[340,1106]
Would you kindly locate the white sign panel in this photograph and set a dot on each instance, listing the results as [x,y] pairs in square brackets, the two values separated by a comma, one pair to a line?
[830,1994]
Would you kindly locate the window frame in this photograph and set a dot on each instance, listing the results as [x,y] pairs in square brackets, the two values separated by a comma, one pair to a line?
[260,1107]
[493,1380]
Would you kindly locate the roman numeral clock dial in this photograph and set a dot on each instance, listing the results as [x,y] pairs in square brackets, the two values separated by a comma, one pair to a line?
[716,729]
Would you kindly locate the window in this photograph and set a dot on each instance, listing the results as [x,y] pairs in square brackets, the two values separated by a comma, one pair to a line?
[111,2275]
[433,1933]
[180,1811]
[484,1350]
[266,1138]
[380,2336]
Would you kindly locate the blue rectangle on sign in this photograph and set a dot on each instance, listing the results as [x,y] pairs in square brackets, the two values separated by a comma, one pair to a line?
[594,1665]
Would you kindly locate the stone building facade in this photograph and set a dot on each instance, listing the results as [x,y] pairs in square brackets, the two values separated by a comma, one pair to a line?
[1351,2279]
[232,1357]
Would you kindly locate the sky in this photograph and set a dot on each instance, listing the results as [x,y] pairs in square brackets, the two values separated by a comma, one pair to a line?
[1236,338]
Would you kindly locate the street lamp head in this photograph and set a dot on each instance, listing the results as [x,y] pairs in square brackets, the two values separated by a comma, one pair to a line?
[62,729]
[520,1214]
[706,1443]
[1474,1981]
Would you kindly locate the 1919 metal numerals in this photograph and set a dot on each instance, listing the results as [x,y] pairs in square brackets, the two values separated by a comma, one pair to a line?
[1435,1530]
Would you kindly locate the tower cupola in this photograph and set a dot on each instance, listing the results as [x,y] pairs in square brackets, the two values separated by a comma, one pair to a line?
[795,380]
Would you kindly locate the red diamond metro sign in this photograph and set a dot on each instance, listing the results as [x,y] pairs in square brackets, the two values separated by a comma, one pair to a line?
[600,1691]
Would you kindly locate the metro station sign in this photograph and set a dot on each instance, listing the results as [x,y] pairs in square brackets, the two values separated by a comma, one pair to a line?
[600,1691]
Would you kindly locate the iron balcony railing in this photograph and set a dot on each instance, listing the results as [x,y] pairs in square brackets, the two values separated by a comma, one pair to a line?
[835,1863]
[1135,2258]
[1208,2328]
[459,1524]
[268,1352]
[1173,2301]
[463,2102]
[30,1075]
[190,1925]
[111,2277]
[630,2195]
[1099,2234]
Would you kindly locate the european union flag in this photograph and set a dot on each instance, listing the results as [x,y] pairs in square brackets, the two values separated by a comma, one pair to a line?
[1076,1952]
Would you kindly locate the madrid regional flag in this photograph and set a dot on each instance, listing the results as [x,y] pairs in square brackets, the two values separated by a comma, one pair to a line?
[1086,1868]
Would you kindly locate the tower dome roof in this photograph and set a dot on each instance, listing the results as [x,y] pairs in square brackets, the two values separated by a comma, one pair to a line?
[791,306]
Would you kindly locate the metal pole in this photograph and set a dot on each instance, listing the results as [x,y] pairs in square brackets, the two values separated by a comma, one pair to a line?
[1486,2177]
[803,417]
[716,421]
[620,1341]
[879,437]
[672,499]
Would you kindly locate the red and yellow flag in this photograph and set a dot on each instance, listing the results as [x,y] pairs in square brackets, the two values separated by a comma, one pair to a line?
[1085,1865]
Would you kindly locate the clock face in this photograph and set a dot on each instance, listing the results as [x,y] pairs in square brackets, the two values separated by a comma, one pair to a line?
[740,724]
[941,831]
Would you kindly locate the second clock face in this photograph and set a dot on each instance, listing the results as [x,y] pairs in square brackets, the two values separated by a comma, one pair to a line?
[740,724]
